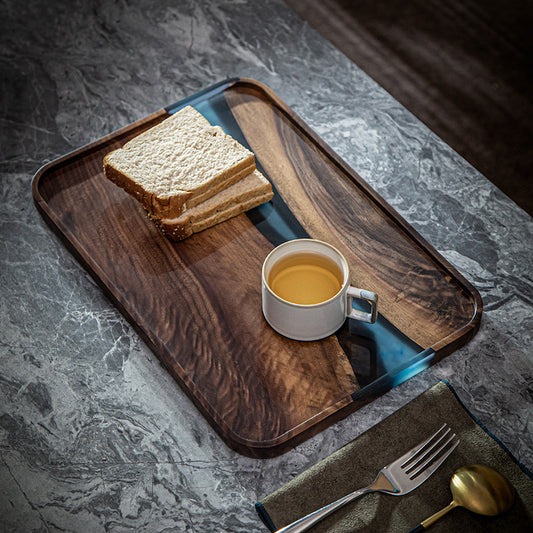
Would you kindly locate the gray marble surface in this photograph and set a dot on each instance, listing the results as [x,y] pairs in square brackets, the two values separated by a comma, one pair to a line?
[94,434]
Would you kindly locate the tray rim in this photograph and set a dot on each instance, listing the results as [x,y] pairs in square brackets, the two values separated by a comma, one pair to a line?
[385,206]
[339,409]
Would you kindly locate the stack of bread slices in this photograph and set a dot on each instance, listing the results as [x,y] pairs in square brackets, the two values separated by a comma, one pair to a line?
[188,174]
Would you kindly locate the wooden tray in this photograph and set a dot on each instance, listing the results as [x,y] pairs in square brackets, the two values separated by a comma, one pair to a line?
[197,303]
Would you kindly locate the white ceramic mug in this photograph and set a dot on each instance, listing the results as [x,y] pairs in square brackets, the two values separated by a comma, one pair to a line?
[314,321]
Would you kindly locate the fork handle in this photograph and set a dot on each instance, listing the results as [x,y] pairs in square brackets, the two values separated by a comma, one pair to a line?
[303,524]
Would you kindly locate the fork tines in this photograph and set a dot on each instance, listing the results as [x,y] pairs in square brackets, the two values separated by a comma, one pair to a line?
[431,453]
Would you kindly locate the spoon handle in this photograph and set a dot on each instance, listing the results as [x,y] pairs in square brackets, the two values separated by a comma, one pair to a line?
[432,519]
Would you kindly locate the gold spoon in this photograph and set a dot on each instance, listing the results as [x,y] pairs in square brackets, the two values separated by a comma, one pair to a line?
[479,489]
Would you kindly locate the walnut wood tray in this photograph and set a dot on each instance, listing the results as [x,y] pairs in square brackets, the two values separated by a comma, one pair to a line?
[197,303]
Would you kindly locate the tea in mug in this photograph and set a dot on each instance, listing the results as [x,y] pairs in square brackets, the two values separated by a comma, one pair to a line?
[306,278]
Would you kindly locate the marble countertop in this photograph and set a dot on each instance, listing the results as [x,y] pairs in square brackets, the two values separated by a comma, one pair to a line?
[94,434]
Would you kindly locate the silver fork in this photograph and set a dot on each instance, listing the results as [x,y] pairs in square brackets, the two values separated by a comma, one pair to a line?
[398,478]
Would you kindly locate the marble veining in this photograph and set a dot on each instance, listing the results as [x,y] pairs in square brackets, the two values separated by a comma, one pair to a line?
[94,434]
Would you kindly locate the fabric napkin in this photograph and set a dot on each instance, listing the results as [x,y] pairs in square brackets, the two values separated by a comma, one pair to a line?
[357,464]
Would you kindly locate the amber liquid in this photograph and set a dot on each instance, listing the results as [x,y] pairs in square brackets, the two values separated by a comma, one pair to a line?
[305,278]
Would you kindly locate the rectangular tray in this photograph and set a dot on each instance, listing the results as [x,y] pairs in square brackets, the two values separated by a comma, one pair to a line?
[197,303]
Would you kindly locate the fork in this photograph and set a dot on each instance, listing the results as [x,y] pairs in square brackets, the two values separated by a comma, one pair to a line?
[398,478]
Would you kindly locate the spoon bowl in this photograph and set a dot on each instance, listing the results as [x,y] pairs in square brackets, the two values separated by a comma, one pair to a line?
[478,488]
[482,490]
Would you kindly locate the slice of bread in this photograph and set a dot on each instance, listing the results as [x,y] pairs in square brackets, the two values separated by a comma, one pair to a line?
[251,191]
[178,164]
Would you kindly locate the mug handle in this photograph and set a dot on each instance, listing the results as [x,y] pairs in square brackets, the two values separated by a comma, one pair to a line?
[369,296]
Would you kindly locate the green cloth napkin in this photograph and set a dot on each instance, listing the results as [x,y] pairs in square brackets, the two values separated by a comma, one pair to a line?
[356,465]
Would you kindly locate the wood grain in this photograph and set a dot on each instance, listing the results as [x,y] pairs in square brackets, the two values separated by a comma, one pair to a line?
[425,301]
[197,303]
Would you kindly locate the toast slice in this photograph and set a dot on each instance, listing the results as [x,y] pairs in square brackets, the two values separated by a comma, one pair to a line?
[178,164]
[251,191]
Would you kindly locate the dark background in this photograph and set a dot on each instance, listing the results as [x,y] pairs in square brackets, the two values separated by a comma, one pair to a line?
[463,67]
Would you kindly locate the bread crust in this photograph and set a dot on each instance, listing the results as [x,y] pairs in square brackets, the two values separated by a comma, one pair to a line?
[227,179]
[254,191]
[180,232]
[156,206]
[186,134]
[173,206]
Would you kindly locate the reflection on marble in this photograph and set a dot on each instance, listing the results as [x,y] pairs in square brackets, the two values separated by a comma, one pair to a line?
[94,434]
